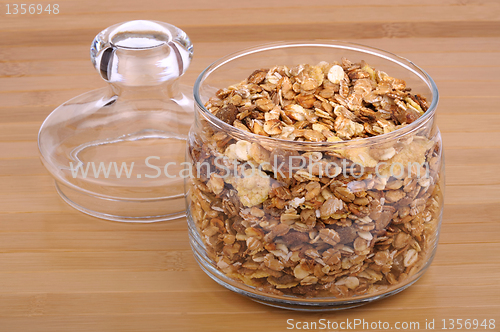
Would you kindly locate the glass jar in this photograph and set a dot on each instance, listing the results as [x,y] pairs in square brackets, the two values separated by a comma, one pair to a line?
[107,148]
[285,223]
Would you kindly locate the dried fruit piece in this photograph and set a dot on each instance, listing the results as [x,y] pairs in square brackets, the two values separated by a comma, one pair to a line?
[227,114]
[257,76]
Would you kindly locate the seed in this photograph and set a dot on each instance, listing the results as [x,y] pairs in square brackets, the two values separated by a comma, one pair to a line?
[210,231]
[229,239]
[361,201]
[382,154]
[255,232]
[327,194]
[393,185]
[309,84]
[258,128]
[280,229]
[256,212]
[257,76]
[319,127]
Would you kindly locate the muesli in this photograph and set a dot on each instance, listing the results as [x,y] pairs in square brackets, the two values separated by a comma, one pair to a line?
[337,222]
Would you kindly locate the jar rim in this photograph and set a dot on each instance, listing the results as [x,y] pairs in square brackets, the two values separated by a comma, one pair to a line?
[398,60]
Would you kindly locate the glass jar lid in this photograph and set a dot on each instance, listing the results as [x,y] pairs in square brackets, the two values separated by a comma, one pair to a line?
[115,152]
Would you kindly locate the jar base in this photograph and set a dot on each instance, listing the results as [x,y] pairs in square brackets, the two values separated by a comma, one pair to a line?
[123,210]
[285,302]
[301,305]
[331,307]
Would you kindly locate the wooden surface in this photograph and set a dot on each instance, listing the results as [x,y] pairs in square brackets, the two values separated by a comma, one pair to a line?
[61,270]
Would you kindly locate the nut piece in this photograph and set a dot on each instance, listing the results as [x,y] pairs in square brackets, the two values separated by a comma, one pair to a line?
[336,74]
